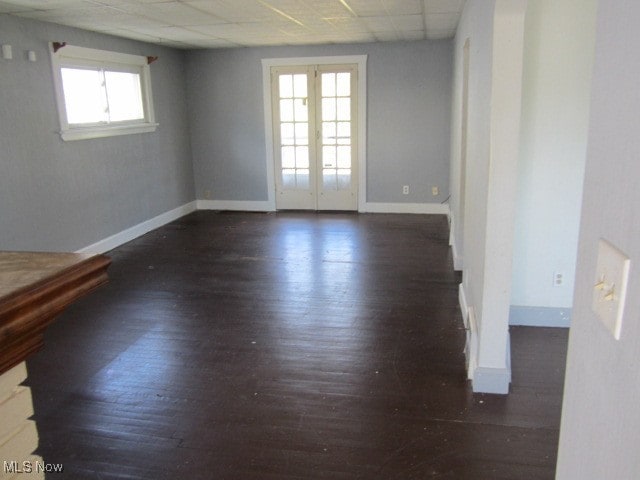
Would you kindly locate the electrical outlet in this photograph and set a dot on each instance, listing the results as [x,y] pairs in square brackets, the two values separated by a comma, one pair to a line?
[405,190]
[435,191]
[207,194]
[610,286]
[558,279]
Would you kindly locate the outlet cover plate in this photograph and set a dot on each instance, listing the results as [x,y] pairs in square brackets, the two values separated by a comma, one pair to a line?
[610,286]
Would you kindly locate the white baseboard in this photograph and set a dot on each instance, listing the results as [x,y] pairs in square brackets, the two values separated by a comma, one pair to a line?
[422,208]
[369,207]
[491,380]
[483,379]
[457,259]
[452,226]
[539,316]
[238,205]
[464,307]
[471,343]
[136,231]
[471,347]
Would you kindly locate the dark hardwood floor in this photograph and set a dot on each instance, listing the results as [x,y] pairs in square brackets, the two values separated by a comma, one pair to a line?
[288,346]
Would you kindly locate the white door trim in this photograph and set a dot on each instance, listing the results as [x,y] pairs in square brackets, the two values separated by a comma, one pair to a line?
[361,61]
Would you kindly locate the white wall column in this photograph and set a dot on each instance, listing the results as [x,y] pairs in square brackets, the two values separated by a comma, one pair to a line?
[496,38]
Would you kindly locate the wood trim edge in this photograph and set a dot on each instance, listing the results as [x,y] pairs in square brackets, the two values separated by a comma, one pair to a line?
[25,315]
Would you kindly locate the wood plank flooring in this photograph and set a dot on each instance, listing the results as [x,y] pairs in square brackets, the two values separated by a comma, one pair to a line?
[288,346]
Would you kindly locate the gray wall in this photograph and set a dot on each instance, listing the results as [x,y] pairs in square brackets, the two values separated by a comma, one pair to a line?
[409,105]
[57,195]
[600,415]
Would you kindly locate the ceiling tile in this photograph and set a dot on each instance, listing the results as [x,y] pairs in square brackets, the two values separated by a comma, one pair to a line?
[106,3]
[43,4]
[441,21]
[68,16]
[352,25]
[233,11]
[172,13]
[293,8]
[228,23]
[355,37]
[138,1]
[443,6]
[367,8]
[408,22]
[236,30]
[180,33]
[328,9]
[131,22]
[135,35]
[6,7]
[403,7]
[378,24]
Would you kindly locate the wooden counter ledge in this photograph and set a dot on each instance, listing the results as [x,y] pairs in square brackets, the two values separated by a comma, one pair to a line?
[35,287]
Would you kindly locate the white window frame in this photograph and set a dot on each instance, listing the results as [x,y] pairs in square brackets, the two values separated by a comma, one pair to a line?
[74,57]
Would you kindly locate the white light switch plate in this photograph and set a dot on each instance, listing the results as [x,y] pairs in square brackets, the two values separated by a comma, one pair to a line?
[610,286]
[7,52]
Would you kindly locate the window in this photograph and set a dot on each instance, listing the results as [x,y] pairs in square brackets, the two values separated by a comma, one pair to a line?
[101,94]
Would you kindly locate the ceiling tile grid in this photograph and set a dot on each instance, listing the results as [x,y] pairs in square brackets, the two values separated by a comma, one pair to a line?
[237,23]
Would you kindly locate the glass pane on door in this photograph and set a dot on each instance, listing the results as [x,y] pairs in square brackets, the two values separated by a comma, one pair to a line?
[294,131]
[336,131]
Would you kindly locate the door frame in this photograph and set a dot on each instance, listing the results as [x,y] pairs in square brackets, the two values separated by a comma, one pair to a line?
[361,140]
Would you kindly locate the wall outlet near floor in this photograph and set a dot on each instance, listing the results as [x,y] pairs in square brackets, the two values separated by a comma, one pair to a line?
[558,279]
[207,194]
[405,190]
[435,191]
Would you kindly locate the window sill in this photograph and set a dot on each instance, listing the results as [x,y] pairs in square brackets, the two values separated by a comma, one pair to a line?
[86,133]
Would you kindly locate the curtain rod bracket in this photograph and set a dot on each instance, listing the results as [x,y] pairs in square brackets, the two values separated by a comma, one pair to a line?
[58,45]
[150,60]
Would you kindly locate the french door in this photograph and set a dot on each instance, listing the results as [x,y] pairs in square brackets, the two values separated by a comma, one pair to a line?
[314,119]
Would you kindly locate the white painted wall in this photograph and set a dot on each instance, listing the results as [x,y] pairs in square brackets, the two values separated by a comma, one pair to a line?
[558,60]
[476,24]
[600,429]
[495,31]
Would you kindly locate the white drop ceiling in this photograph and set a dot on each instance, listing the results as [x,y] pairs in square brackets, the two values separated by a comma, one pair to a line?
[239,23]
